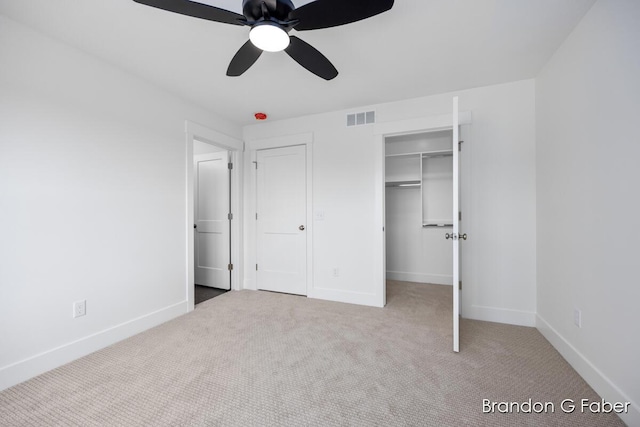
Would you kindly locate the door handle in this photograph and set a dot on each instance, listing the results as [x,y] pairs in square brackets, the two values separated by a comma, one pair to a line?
[301,228]
[454,236]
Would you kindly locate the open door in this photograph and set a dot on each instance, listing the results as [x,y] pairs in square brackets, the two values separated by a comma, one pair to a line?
[456,227]
[212,220]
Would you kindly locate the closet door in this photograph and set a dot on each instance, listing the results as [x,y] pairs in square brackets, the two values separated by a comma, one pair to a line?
[456,229]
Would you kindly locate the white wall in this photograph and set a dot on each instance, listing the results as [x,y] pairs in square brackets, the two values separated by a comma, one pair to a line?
[498,258]
[588,99]
[200,147]
[92,202]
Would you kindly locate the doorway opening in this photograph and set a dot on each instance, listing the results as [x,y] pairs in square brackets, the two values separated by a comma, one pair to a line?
[413,172]
[213,213]
[421,218]
[212,220]
[418,208]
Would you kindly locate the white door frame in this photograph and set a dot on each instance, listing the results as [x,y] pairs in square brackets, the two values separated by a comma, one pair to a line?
[381,131]
[250,207]
[235,147]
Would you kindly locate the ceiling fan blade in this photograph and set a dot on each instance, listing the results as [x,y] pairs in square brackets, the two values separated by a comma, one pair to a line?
[197,10]
[246,56]
[310,58]
[331,13]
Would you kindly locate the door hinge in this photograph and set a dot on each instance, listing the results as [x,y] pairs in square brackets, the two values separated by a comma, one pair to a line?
[256,216]
[230,165]
[460,145]
[256,163]
[230,216]
[256,267]
[460,216]
[230,267]
[460,284]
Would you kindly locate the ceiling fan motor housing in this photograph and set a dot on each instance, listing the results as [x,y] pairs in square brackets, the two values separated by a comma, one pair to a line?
[279,10]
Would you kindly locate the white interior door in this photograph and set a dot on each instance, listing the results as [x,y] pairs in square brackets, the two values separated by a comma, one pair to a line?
[281,220]
[212,226]
[456,228]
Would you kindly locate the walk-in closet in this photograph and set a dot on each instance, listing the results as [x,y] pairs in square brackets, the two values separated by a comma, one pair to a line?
[418,207]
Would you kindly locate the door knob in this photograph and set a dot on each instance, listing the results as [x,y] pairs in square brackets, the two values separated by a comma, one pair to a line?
[454,236]
[301,228]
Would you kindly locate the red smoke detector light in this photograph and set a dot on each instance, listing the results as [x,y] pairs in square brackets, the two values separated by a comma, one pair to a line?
[261,116]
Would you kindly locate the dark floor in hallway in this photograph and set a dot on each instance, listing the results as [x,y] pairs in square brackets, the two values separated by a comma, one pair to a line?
[203,293]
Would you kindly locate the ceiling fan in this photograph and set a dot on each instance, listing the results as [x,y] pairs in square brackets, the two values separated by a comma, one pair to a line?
[272,20]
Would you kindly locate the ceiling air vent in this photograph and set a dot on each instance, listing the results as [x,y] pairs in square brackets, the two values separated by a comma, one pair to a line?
[357,119]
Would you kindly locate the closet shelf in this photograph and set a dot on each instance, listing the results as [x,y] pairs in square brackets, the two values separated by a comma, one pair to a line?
[437,153]
[412,154]
[404,184]
[432,153]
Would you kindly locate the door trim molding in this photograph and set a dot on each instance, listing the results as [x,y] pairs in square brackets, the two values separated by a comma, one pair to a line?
[421,125]
[252,147]
[236,147]
[280,141]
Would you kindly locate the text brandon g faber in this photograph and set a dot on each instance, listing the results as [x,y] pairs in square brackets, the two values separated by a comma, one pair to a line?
[568,406]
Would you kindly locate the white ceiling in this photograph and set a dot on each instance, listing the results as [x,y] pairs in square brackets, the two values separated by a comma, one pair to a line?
[418,48]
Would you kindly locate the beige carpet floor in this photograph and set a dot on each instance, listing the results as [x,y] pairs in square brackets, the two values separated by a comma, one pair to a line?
[265,359]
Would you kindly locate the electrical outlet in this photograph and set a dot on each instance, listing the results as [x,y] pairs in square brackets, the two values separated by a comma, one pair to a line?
[79,308]
[577,317]
[336,272]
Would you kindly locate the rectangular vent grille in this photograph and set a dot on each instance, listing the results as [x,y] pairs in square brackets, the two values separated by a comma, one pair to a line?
[357,119]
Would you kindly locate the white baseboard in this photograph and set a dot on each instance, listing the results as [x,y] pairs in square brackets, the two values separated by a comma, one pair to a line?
[587,370]
[249,284]
[404,276]
[359,298]
[500,315]
[23,370]
[345,296]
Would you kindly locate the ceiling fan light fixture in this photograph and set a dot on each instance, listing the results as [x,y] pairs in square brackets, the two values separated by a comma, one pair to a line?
[270,22]
[269,37]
